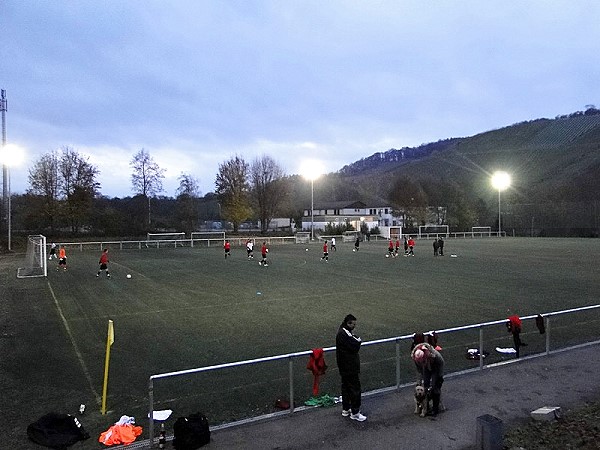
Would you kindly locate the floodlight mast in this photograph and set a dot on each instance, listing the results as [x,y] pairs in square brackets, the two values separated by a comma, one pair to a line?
[500,181]
[311,170]
[5,194]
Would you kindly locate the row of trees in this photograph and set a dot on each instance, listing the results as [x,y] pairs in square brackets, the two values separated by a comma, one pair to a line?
[63,189]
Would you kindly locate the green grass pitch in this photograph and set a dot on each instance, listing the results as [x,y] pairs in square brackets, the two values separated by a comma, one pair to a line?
[190,307]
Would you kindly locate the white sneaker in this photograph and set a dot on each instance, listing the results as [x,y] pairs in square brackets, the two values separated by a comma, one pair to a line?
[358,416]
[345,412]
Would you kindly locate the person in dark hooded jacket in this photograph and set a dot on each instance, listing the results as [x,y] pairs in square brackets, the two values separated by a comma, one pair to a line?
[347,346]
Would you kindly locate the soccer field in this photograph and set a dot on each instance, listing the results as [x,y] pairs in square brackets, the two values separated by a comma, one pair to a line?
[190,307]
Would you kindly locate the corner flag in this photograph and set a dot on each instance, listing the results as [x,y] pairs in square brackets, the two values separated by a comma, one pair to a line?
[109,341]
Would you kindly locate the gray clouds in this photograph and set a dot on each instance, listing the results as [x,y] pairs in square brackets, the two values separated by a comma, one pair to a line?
[195,82]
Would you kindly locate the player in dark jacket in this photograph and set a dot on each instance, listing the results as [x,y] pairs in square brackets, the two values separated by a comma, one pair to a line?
[347,346]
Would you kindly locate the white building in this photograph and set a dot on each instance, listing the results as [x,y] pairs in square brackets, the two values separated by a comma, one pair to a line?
[356,213]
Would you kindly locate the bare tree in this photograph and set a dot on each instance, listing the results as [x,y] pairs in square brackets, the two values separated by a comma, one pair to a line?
[78,186]
[43,182]
[268,189]
[188,193]
[147,176]
[233,189]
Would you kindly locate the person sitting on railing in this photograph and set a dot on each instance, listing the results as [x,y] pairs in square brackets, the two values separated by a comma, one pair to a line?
[513,325]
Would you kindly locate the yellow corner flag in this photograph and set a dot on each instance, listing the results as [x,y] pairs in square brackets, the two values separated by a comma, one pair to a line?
[109,342]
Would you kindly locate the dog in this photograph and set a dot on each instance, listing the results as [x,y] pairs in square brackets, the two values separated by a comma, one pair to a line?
[421,400]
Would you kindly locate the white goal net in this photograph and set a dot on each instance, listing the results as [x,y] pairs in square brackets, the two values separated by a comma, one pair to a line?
[350,236]
[434,230]
[302,237]
[36,263]
[481,231]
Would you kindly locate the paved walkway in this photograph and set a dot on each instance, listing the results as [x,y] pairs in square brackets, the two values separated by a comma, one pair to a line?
[509,392]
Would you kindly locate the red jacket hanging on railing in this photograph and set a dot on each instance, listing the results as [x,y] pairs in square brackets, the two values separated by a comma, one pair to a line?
[316,364]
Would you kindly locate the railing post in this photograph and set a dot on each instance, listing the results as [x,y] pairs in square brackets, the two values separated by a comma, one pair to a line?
[480,347]
[291,370]
[151,413]
[398,364]
[547,335]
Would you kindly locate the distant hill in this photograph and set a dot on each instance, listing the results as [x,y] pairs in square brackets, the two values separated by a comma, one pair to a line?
[553,163]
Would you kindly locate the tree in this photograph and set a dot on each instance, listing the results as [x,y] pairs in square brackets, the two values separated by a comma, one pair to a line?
[268,188]
[78,186]
[187,202]
[409,200]
[147,176]
[232,188]
[67,184]
[43,182]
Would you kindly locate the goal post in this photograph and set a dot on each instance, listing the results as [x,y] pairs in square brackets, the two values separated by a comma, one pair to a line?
[350,236]
[36,262]
[481,231]
[207,237]
[166,236]
[302,237]
[427,230]
[395,233]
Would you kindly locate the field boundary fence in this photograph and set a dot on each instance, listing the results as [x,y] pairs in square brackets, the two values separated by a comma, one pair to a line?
[554,339]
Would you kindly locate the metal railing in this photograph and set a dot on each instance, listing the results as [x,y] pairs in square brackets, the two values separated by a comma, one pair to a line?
[290,357]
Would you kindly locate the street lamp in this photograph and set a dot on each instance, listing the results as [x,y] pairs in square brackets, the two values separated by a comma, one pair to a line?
[311,170]
[10,156]
[500,181]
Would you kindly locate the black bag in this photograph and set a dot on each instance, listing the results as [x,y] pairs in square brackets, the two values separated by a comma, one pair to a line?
[191,433]
[57,431]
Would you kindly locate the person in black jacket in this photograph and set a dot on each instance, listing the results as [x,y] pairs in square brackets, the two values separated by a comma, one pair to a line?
[347,346]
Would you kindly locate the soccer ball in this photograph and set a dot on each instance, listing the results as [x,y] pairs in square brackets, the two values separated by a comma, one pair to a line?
[387,256]
[306,249]
[353,249]
[128,275]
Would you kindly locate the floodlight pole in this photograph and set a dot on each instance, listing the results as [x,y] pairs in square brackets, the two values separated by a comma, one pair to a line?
[5,169]
[499,216]
[312,209]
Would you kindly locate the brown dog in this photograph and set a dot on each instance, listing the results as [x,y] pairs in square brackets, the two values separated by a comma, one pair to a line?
[421,400]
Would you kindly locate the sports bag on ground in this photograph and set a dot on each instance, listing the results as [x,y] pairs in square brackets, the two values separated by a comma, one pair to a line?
[57,431]
[191,432]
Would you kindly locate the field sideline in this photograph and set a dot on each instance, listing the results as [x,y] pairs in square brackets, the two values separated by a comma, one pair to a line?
[186,308]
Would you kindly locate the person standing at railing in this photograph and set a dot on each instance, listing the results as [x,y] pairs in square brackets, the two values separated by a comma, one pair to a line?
[430,363]
[347,346]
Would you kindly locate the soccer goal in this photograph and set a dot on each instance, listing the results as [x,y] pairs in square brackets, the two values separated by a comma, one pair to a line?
[395,233]
[302,237]
[350,236]
[166,236]
[36,264]
[208,237]
[428,230]
[481,231]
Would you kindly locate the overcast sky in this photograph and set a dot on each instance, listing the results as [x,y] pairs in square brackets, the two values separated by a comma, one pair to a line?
[196,82]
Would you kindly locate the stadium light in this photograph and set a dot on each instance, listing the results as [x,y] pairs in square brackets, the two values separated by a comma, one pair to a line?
[10,156]
[500,181]
[311,170]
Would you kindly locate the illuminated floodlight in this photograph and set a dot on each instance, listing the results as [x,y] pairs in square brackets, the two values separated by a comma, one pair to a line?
[311,170]
[500,181]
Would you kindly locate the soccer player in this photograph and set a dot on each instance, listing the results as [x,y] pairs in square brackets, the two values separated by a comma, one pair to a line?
[333,244]
[356,243]
[397,247]
[250,248]
[227,247]
[325,253]
[441,245]
[391,249]
[405,246]
[263,251]
[62,258]
[103,263]
[411,246]
[52,251]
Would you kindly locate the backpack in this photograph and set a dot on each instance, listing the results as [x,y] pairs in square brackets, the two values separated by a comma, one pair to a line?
[191,433]
[57,431]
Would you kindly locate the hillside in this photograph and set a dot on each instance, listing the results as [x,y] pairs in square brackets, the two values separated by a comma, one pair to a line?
[554,164]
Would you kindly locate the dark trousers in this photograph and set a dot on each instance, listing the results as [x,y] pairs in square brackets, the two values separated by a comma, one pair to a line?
[351,392]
